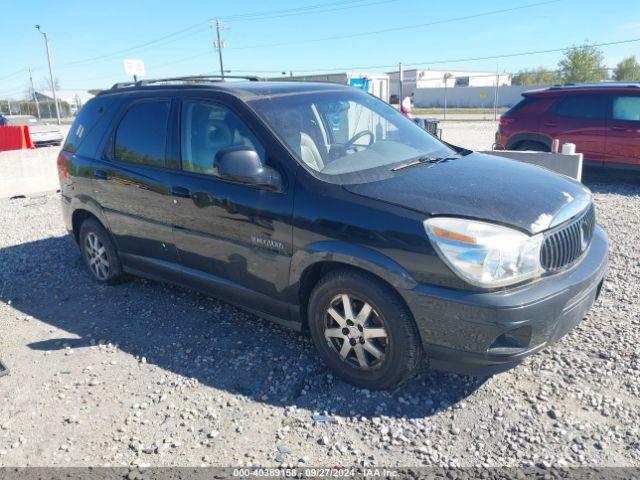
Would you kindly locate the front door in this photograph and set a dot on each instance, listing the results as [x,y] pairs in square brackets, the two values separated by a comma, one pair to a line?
[623,137]
[233,239]
[132,185]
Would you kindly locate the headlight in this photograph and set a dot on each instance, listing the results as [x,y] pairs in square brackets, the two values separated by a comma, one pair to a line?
[484,254]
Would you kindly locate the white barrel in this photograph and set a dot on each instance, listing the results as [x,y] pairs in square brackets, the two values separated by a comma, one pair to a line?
[569,149]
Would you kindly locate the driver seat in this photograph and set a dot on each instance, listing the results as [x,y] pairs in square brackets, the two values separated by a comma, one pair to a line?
[309,152]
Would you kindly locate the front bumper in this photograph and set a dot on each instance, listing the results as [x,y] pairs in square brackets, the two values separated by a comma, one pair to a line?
[481,333]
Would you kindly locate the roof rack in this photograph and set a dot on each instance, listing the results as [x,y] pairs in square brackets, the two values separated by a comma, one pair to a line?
[597,85]
[191,78]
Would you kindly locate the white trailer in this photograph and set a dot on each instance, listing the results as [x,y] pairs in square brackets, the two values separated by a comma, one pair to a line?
[375,83]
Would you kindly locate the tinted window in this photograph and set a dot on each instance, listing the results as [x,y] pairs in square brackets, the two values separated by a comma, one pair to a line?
[626,108]
[84,123]
[207,128]
[142,132]
[523,102]
[581,106]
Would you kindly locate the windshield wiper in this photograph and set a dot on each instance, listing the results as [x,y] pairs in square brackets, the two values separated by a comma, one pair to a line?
[426,159]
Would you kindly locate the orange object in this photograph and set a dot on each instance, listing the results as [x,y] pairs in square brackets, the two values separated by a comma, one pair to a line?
[27,137]
[15,138]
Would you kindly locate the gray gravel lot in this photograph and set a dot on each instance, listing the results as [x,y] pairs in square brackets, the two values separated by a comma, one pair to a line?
[143,373]
[478,135]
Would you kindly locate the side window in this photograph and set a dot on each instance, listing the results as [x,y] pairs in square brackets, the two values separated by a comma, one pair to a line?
[626,108]
[581,106]
[141,135]
[84,123]
[207,128]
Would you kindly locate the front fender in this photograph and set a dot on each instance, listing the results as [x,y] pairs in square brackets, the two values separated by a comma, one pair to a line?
[350,254]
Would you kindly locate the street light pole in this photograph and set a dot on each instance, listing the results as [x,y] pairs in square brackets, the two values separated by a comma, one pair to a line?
[53,86]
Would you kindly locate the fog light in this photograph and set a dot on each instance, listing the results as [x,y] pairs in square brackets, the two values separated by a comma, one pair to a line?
[511,342]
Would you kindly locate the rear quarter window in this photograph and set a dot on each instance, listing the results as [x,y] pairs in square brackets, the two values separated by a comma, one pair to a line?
[527,105]
[92,114]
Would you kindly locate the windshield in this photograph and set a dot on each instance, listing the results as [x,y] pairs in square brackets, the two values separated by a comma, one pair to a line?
[346,136]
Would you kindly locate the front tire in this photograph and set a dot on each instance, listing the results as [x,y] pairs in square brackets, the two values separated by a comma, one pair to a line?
[362,330]
[99,253]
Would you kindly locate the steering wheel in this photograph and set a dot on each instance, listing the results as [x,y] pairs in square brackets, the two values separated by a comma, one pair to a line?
[352,142]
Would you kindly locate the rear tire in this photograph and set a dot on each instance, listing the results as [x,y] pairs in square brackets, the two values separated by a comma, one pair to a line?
[99,253]
[363,330]
[532,146]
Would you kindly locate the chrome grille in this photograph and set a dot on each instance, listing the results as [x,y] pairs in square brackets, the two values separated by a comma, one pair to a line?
[565,244]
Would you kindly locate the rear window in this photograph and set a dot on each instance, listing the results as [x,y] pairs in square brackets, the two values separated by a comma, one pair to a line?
[84,123]
[580,106]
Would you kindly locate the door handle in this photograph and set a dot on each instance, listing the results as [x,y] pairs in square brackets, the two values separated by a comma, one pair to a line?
[100,174]
[617,128]
[180,192]
[550,124]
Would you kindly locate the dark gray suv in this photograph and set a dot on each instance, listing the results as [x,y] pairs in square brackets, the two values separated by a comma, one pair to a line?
[322,208]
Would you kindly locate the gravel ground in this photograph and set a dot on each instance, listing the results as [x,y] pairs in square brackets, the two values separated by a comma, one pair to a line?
[478,135]
[143,373]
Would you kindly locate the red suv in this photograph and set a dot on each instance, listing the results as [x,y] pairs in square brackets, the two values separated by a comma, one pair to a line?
[603,120]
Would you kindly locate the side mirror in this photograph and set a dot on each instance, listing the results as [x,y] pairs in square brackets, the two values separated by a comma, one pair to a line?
[242,164]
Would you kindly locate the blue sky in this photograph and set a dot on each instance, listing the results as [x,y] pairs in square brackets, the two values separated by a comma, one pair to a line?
[89,39]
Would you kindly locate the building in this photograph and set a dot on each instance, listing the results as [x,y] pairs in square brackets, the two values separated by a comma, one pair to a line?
[427,78]
[74,98]
[375,83]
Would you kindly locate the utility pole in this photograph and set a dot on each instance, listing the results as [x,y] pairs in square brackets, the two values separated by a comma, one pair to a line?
[495,95]
[400,86]
[219,45]
[33,92]
[53,86]
[447,76]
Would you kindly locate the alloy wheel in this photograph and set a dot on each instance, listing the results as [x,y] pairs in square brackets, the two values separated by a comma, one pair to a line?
[97,257]
[355,331]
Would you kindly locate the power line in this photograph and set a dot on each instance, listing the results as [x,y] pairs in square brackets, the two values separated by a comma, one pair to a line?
[203,25]
[285,11]
[350,4]
[137,47]
[395,29]
[17,72]
[471,59]
[386,66]
[449,20]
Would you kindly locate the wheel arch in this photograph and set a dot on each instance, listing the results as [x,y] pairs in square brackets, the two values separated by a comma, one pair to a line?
[82,209]
[309,266]
[529,137]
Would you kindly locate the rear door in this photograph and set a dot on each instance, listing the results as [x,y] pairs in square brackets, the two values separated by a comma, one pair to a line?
[233,239]
[579,119]
[132,185]
[623,139]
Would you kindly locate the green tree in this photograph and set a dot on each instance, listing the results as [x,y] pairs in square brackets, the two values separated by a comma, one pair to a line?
[536,76]
[627,69]
[582,64]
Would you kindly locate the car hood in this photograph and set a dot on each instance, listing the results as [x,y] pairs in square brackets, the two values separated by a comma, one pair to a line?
[482,187]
